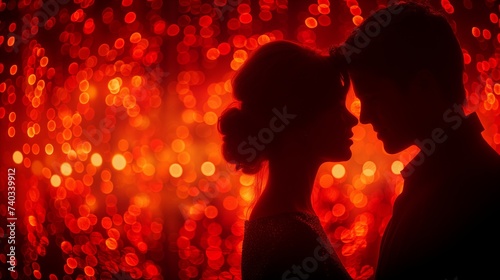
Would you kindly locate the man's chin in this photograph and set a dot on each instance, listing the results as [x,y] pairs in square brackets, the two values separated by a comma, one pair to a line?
[343,157]
[393,148]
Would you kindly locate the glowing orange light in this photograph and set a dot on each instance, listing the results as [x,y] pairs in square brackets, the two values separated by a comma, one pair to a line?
[96,160]
[135,37]
[55,180]
[486,34]
[211,211]
[83,223]
[119,43]
[11,41]
[119,162]
[240,56]
[324,9]
[130,17]
[230,202]
[90,118]
[13,69]
[126,3]
[156,227]
[210,118]
[35,148]
[265,15]
[247,180]
[66,169]
[324,20]
[355,10]
[467,58]
[205,21]
[208,168]
[17,157]
[338,171]
[311,22]
[44,61]
[369,168]
[476,32]
[245,18]
[84,98]
[326,181]
[213,53]
[32,79]
[88,26]
[396,167]
[173,30]
[111,243]
[338,210]
[49,149]
[71,262]
[313,9]
[494,18]
[12,116]
[357,20]
[89,271]
[114,85]
[496,88]
[159,27]
[233,24]
[131,259]
[32,220]
[247,193]
[175,170]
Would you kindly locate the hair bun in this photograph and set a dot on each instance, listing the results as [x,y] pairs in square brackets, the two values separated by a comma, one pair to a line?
[231,121]
[235,127]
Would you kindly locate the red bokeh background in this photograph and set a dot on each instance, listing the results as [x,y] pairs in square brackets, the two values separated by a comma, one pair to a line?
[109,113]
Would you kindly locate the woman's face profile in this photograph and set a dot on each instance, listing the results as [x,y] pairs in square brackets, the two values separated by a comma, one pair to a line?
[331,132]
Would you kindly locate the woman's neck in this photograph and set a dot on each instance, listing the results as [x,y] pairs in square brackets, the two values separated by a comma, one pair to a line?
[288,189]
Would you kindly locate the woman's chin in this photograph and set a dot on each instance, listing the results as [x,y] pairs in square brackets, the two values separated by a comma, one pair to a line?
[339,157]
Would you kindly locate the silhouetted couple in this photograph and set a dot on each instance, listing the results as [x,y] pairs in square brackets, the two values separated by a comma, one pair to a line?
[291,117]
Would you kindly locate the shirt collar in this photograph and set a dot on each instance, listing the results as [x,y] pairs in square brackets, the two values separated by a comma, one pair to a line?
[425,161]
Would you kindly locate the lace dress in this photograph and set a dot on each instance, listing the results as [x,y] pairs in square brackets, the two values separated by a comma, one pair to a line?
[289,246]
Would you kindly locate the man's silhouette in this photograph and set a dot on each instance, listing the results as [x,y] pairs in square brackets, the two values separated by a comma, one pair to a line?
[406,66]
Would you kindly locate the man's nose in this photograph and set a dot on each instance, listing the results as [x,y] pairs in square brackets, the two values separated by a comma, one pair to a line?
[349,118]
[365,116]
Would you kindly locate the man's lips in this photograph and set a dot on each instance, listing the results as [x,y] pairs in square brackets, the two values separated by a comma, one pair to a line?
[349,135]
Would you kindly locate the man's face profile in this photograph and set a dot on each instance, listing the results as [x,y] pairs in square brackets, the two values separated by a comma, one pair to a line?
[387,108]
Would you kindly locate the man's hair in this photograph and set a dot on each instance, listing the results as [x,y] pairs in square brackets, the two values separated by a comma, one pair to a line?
[402,39]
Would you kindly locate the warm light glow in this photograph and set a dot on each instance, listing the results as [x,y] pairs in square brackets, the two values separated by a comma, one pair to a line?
[247,180]
[369,168]
[96,160]
[178,145]
[110,114]
[119,162]
[326,181]
[311,22]
[17,157]
[175,170]
[396,167]
[55,180]
[338,210]
[207,168]
[338,171]
[247,193]
[66,169]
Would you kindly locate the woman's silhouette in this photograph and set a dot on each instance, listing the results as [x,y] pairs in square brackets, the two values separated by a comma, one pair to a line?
[290,115]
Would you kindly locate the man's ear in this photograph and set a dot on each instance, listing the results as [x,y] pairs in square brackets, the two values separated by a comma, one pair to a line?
[426,92]
[425,80]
